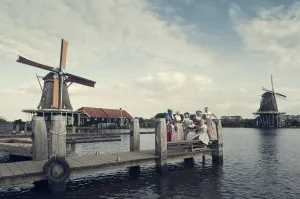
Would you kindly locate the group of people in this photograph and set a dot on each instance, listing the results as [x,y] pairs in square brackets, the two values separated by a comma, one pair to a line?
[182,127]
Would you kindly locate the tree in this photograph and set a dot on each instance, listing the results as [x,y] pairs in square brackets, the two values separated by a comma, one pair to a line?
[2,120]
[160,115]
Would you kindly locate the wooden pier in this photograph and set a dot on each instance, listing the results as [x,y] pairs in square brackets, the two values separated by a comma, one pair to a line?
[34,171]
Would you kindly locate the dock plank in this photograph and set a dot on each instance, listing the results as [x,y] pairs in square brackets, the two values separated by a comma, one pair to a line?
[74,164]
[5,172]
[27,171]
[15,169]
[27,168]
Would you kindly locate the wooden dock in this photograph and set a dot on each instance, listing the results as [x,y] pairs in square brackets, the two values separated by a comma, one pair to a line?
[59,168]
[30,171]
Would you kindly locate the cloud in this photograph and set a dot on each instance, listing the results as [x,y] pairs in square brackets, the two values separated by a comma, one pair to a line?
[274,32]
[169,82]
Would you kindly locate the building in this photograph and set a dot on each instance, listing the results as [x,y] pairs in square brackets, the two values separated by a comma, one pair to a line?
[103,117]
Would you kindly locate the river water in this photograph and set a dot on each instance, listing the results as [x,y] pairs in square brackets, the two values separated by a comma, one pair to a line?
[257,164]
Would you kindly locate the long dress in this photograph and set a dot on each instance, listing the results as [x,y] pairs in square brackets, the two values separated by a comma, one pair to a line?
[179,129]
[203,136]
[187,122]
[211,129]
[170,132]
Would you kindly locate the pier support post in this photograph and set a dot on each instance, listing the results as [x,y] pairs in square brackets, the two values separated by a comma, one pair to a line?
[217,156]
[58,148]
[58,133]
[39,139]
[134,135]
[134,144]
[161,144]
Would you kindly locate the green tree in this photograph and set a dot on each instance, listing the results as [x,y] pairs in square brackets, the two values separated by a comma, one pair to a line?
[2,120]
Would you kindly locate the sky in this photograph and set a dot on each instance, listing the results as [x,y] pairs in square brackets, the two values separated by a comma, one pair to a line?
[150,55]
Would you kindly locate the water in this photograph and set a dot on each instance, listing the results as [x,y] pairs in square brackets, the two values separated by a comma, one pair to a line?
[257,164]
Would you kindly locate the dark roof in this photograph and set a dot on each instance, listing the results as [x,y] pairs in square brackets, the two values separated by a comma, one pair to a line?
[105,113]
[94,112]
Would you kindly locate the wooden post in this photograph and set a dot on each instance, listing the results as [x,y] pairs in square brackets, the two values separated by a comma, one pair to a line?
[17,128]
[40,140]
[73,129]
[217,156]
[161,144]
[134,135]
[25,128]
[58,136]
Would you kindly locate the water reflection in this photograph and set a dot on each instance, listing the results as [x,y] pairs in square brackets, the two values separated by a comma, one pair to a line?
[187,179]
[268,163]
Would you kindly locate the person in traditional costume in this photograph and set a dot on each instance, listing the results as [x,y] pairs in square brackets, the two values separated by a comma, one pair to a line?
[198,119]
[170,126]
[211,126]
[187,123]
[203,135]
[178,127]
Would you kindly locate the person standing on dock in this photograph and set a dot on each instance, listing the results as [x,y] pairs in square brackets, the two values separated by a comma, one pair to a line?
[187,122]
[178,127]
[198,119]
[211,126]
[170,126]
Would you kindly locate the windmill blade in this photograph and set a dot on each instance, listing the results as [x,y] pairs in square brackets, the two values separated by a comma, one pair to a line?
[280,95]
[80,80]
[264,89]
[55,101]
[63,54]
[23,60]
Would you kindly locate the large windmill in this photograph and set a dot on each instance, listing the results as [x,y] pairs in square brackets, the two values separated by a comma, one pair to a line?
[268,114]
[55,96]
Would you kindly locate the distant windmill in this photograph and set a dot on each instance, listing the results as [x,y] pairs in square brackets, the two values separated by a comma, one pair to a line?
[55,95]
[268,114]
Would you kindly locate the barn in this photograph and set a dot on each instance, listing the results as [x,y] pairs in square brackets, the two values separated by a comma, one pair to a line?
[104,117]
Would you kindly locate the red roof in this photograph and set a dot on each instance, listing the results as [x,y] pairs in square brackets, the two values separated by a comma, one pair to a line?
[105,113]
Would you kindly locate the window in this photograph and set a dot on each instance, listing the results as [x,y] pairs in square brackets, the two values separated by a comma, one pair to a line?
[88,119]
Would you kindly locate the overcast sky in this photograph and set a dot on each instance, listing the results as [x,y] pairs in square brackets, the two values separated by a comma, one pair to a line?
[153,55]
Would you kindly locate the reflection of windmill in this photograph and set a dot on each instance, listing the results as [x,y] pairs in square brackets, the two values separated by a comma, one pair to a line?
[55,96]
[268,114]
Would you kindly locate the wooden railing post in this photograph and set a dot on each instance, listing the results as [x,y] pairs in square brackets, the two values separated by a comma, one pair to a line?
[25,128]
[161,144]
[40,139]
[58,136]
[218,155]
[134,135]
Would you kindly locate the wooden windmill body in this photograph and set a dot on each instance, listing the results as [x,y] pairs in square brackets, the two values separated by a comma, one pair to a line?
[268,115]
[55,96]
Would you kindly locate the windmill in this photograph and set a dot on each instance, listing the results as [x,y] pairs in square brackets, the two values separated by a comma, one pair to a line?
[268,114]
[55,96]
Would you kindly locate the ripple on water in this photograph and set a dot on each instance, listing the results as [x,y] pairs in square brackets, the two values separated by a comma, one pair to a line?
[256,165]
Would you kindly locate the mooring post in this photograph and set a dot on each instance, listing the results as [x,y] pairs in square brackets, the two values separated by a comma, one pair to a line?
[58,149]
[134,135]
[134,144]
[161,144]
[217,156]
[58,133]
[39,139]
